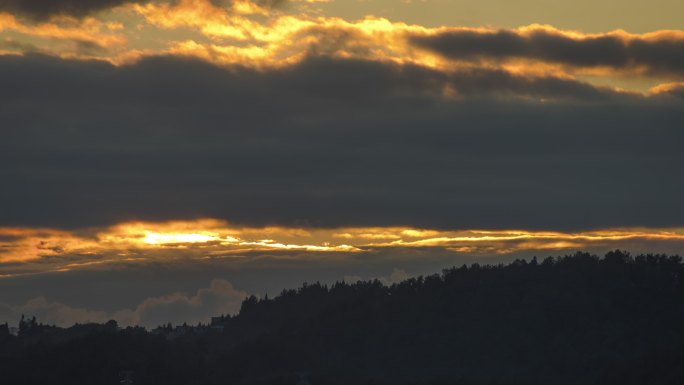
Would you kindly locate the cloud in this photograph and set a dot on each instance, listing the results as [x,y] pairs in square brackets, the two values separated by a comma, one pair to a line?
[219,298]
[673,89]
[44,9]
[397,275]
[63,38]
[352,278]
[29,252]
[330,142]
[53,313]
[655,53]
[482,81]
[248,33]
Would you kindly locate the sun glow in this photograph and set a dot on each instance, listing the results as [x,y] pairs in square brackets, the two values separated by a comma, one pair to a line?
[161,239]
[206,239]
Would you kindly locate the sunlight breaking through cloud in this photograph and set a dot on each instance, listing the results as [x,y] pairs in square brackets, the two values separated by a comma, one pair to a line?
[166,242]
[250,34]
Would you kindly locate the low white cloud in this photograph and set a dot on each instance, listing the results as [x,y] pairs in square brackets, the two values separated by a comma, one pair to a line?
[396,276]
[352,278]
[219,298]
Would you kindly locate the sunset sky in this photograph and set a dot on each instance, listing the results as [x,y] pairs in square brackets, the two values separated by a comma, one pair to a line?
[161,160]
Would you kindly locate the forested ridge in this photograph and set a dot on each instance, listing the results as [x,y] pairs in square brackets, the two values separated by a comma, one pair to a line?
[578,319]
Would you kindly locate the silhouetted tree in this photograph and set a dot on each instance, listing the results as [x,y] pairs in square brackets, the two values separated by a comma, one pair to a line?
[576,319]
[4,331]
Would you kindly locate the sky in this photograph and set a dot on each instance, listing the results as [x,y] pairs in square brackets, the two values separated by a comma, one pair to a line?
[162,160]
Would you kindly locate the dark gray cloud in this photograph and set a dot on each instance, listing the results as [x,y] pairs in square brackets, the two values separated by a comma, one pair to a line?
[674,90]
[330,143]
[43,9]
[263,3]
[663,54]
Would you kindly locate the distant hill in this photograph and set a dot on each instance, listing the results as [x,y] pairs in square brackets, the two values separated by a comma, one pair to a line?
[577,319]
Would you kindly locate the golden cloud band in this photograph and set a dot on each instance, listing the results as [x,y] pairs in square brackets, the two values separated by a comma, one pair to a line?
[61,250]
[248,34]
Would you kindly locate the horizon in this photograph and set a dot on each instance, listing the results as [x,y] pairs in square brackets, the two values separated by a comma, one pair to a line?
[508,324]
[397,277]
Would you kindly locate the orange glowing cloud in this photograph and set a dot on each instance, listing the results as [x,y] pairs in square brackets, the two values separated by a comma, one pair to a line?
[236,37]
[139,242]
[90,30]
[248,34]
[24,244]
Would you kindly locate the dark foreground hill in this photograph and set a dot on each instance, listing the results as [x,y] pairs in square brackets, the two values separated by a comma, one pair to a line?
[573,320]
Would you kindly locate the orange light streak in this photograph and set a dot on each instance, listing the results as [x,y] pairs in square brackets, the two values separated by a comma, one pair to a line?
[205,237]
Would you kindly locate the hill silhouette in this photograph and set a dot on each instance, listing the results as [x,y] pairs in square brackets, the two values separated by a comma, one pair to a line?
[578,319]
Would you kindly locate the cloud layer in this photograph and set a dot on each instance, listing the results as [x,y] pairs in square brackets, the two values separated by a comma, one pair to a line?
[43,9]
[254,34]
[654,53]
[331,142]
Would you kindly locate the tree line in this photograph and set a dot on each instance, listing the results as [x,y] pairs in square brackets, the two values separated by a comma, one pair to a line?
[576,319]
